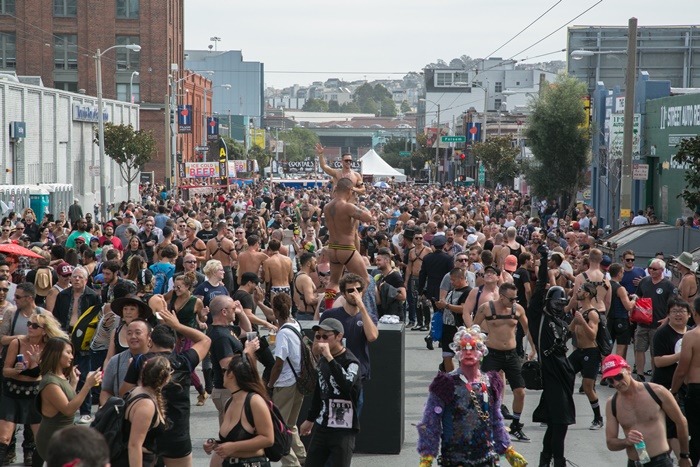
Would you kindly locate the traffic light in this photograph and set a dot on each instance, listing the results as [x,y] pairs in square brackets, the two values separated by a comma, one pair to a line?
[200,157]
[462,156]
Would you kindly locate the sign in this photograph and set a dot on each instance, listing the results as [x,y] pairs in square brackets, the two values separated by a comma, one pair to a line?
[404,153]
[201,148]
[305,167]
[202,169]
[355,165]
[640,172]
[482,174]
[18,130]
[212,128]
[617,135]
[620,104]
[474,131]
[181,171]
[257,137]
[453,139]
[94,170]
[146,177]
[431,134]
[625,213]
[276,146]
[184,119]
[223,161]
[88,113]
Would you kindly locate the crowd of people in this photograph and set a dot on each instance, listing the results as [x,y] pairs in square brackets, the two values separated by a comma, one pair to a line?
[128,307]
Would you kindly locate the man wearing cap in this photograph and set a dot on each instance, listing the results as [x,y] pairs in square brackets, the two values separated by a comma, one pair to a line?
[688,286]
[435,266]
[63,271]
[641,410]
[334,413]
[78,233]
[109,235]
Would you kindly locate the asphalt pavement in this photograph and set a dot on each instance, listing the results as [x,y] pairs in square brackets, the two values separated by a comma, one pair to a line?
[584,447]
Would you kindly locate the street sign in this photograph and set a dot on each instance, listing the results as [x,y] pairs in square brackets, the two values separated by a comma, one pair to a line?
[453,139]
[201,148]
[482,174]
[640,172]
[617,135]
[404,153]
[94,170]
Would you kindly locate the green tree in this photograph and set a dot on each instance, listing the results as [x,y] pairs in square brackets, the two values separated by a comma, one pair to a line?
[315,105]
[559,138]
[390,154]
[405,107]
[499,158]
[236,150]
[388,108]
[689,155]
[421,153]
[350,107]
[379,93]
[369,107]
[333,106]
[129,148]
[363,94]
[262,155]
[299,143]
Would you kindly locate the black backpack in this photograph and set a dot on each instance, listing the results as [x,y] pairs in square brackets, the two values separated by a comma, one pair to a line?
[283,435]
[307,377]
[109,421]
[602,337]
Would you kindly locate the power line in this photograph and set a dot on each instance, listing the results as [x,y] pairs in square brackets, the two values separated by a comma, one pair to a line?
[525,28]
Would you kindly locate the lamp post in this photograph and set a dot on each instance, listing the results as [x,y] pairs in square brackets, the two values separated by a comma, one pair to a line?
[101,122]
[437,145]
[204,114]
[131,85]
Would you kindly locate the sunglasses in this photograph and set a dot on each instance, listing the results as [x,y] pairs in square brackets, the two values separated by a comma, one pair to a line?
[629,259]
[418,238]
[190,262]
[347,160]
[654,269]
[462,260]
[34,325]
[511,299]
[353,290]
[618,377]
[19,297]
[5,290]
[325,337]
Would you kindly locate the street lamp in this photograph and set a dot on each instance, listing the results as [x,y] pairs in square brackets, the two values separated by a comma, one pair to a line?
[204,114]
[101,123]
[131,85]
[215,39]
[437,146]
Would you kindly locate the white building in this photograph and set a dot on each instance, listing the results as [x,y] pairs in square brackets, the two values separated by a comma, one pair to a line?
[53,140]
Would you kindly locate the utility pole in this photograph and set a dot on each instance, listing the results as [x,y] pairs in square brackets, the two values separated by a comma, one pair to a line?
[437,146]
[626,173]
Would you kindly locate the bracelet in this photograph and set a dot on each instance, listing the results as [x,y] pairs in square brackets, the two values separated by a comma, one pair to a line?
[684,455]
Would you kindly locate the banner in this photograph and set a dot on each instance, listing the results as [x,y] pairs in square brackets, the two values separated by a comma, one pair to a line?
[184,119]
[212,128]
[181,171]
[202,169]
[305,167]
[257,137]
[232,169]
[356,165]
[431,133]
[223,161]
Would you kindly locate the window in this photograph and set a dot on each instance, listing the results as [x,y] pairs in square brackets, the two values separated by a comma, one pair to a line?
[123,92]
[461,78]
[70,86]
[127,59]
[65,7]
[127,8]
[65,52]
[497,104]
[7,7]
[498,86]
[8,51]
[451,78]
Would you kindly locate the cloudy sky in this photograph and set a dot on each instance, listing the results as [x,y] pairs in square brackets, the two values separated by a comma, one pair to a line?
[306,40]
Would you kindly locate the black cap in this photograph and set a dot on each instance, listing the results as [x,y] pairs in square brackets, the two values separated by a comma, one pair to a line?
[439,241]
[494,269]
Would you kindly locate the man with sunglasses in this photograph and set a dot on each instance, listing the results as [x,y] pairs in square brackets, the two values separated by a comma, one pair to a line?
[632,274]
[641,409]
[334,413]
[345,172]
[503,315]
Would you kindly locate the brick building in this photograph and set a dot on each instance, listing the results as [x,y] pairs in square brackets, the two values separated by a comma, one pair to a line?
[56,40]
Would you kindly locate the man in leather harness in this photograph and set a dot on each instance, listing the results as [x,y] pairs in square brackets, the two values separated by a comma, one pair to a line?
[223,249]
[503,315]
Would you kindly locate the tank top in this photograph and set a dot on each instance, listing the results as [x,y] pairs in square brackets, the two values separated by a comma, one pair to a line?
[617,309]
[238,433]
[118,347]
[186,314]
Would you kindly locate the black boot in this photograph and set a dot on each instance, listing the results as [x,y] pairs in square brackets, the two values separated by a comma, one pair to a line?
[561,462]
[545,460]
[3,452]
[208,382]
[28,455]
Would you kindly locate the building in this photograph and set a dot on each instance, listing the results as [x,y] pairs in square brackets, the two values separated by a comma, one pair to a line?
[57,41]
[666,52]
[247,79]
[56,145]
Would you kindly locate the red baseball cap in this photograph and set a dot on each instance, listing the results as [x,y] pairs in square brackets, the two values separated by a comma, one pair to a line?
[612,365]
[511,263]
[576,226]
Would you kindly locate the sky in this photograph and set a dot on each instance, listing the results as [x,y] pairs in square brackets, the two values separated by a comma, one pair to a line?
[312,40]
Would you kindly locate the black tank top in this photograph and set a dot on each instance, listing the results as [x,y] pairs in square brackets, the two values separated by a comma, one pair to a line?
[238,433]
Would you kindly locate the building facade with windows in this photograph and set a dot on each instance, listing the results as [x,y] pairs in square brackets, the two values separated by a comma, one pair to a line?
[56,40]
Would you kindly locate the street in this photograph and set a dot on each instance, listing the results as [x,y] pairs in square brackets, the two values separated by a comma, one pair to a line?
[584,447]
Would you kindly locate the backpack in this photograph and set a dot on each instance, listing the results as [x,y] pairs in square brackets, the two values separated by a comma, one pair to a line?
[602,337]
[161,278]
[85,328]
[283,435]
[43,281]
[307,377]
[109,420]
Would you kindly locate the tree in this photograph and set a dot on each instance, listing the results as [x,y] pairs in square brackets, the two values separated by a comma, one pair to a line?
[262,155]
[236,151]
[298,143]
[369,107]
[129,148]
[379,93]
[499,158]
[405,107]
[363,94]
[558,136]
[388,108]
[350,107]
[390,154]
[333,106]
[688,155]
[315,105]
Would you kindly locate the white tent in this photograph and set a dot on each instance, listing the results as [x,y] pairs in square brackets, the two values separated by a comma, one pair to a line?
[374,165]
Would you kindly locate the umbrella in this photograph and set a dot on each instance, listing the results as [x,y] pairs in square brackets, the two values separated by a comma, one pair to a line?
[12,249]
[381,185]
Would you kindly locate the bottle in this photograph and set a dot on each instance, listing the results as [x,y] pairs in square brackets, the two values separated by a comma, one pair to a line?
[642,452]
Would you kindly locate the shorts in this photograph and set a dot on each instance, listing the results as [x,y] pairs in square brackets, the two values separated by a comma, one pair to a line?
[662,460]
[278,289]
[448,333]
[174,448]
[620,330]
[586,362]
[509,362]
[643,339]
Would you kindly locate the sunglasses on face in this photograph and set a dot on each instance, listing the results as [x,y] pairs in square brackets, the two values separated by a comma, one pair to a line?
[34,325]
[462,260]
[618,377]
[353,290]
[629,259]
[190,262]
[511,299]
[325,337]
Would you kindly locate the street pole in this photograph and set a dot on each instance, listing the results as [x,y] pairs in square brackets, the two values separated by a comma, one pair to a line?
[101,137]
[172,160]
[437,147]
[131,85]
[626,178]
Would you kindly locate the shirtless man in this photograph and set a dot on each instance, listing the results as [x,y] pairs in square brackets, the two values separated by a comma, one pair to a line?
[305,296]
[251,259]
[595,276]
[503,315]
[277,271]
[482,294]
[688,372]
[223,249]
[278,235]
[415,262]
[510,247]
[341,218]
[345,172]
[585,359]
[641,409]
